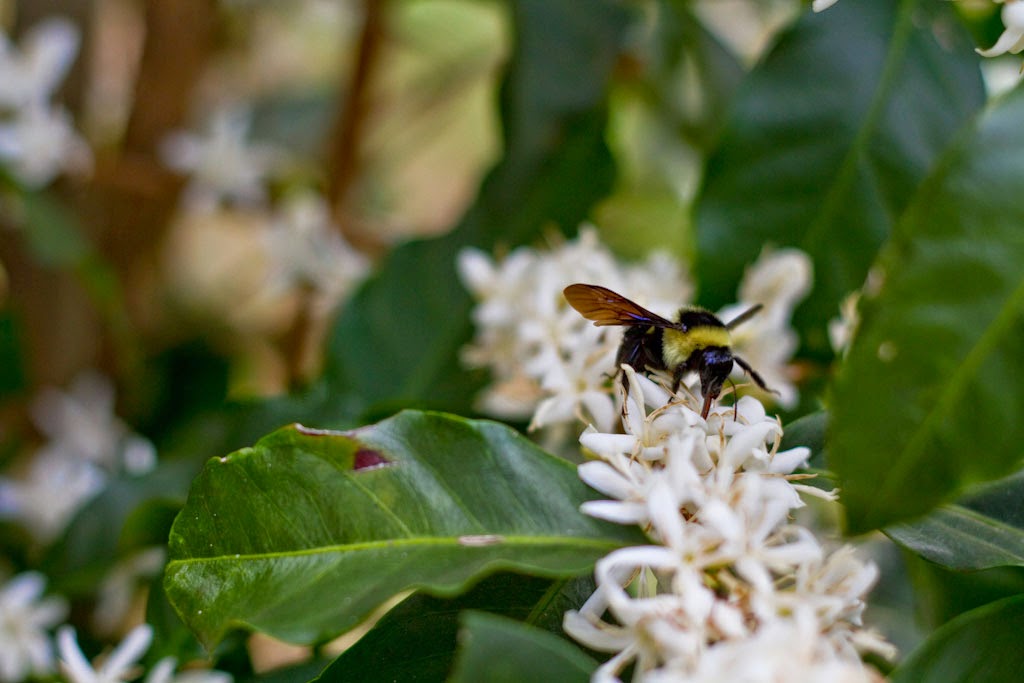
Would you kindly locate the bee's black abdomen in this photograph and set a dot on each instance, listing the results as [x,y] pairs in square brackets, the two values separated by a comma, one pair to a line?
[641,349]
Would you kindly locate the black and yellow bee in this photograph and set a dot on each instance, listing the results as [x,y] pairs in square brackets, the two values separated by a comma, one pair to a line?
[697,342]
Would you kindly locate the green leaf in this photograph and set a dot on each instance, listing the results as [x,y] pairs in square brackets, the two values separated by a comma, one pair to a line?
[807,431]
[305,534]
[982,531]
[980,646]
[828,139]
[926,403]
[497,649]
[51,231]
[416,640]
[125,517]
[715,72]
[396,343]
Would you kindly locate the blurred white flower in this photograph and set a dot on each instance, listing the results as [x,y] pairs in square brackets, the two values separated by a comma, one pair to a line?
[82,423]
[821,5]
[163,672]
[1012,38]
[545,359]
[842,329]
[121,586]
[25,617]
[117,666]
[728,574]
[46,498]
[778,280]
[121,663]
[38,140]
[86,443]
[307,250]
[31,74]
[39,143]
[221,163]
[548,361]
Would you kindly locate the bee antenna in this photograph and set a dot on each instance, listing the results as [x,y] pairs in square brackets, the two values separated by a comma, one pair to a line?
[753,374]
[744,316]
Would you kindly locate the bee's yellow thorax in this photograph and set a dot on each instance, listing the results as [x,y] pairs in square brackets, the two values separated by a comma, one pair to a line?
[677,346]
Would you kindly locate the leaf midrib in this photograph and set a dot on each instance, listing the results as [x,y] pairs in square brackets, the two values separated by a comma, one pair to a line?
[820,227]
[437,541]
[914,450]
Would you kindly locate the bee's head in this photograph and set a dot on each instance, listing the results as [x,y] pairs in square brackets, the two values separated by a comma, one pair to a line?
[714,368]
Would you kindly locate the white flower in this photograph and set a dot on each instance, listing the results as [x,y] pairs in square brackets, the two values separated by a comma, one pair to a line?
[25,617]
[37,139]
[55,488]
[31,75]
[821,5]
[545,359]
[222,165]
[1012,38]
[118,666]
[548,360]
[81,422]
[842,329]
[731,576]
[86,443]
[778,280]
[163,672]
[121,663]
[306,249]
[121,586]
[39,142]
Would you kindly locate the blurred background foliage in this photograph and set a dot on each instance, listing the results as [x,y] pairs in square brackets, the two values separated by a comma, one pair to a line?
[707,127]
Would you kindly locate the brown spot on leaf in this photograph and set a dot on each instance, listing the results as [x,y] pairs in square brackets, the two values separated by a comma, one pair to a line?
[367,458]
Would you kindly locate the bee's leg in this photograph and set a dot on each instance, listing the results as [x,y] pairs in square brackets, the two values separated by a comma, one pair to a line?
[753,374]
[735,402]
[677,377]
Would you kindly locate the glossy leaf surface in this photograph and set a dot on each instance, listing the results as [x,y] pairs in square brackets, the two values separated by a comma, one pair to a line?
[982,531]
[981,645]
[499,650]
[416,640]
[927,402]
[305,534]
[828,139]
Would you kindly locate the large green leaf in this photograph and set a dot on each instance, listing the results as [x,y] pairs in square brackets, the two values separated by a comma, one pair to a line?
[397,343]
[697,76]
[927,401]
[828,139]
[981,646]
[305,534]
[981,531]
[416,640]
[499,650]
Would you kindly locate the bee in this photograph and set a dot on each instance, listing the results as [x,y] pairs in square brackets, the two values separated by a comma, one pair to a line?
[697,342]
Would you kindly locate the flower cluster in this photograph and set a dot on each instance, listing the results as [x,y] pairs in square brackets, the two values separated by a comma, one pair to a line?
[546,360]
[86,444]
[37,138]
[549,362]
[283,247]
[120,664]
[25,618]
[730,588]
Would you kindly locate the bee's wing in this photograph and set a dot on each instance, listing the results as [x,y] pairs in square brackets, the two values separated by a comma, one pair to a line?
[605,307]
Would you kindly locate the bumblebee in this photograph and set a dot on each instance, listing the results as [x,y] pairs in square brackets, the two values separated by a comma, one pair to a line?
[697,342]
